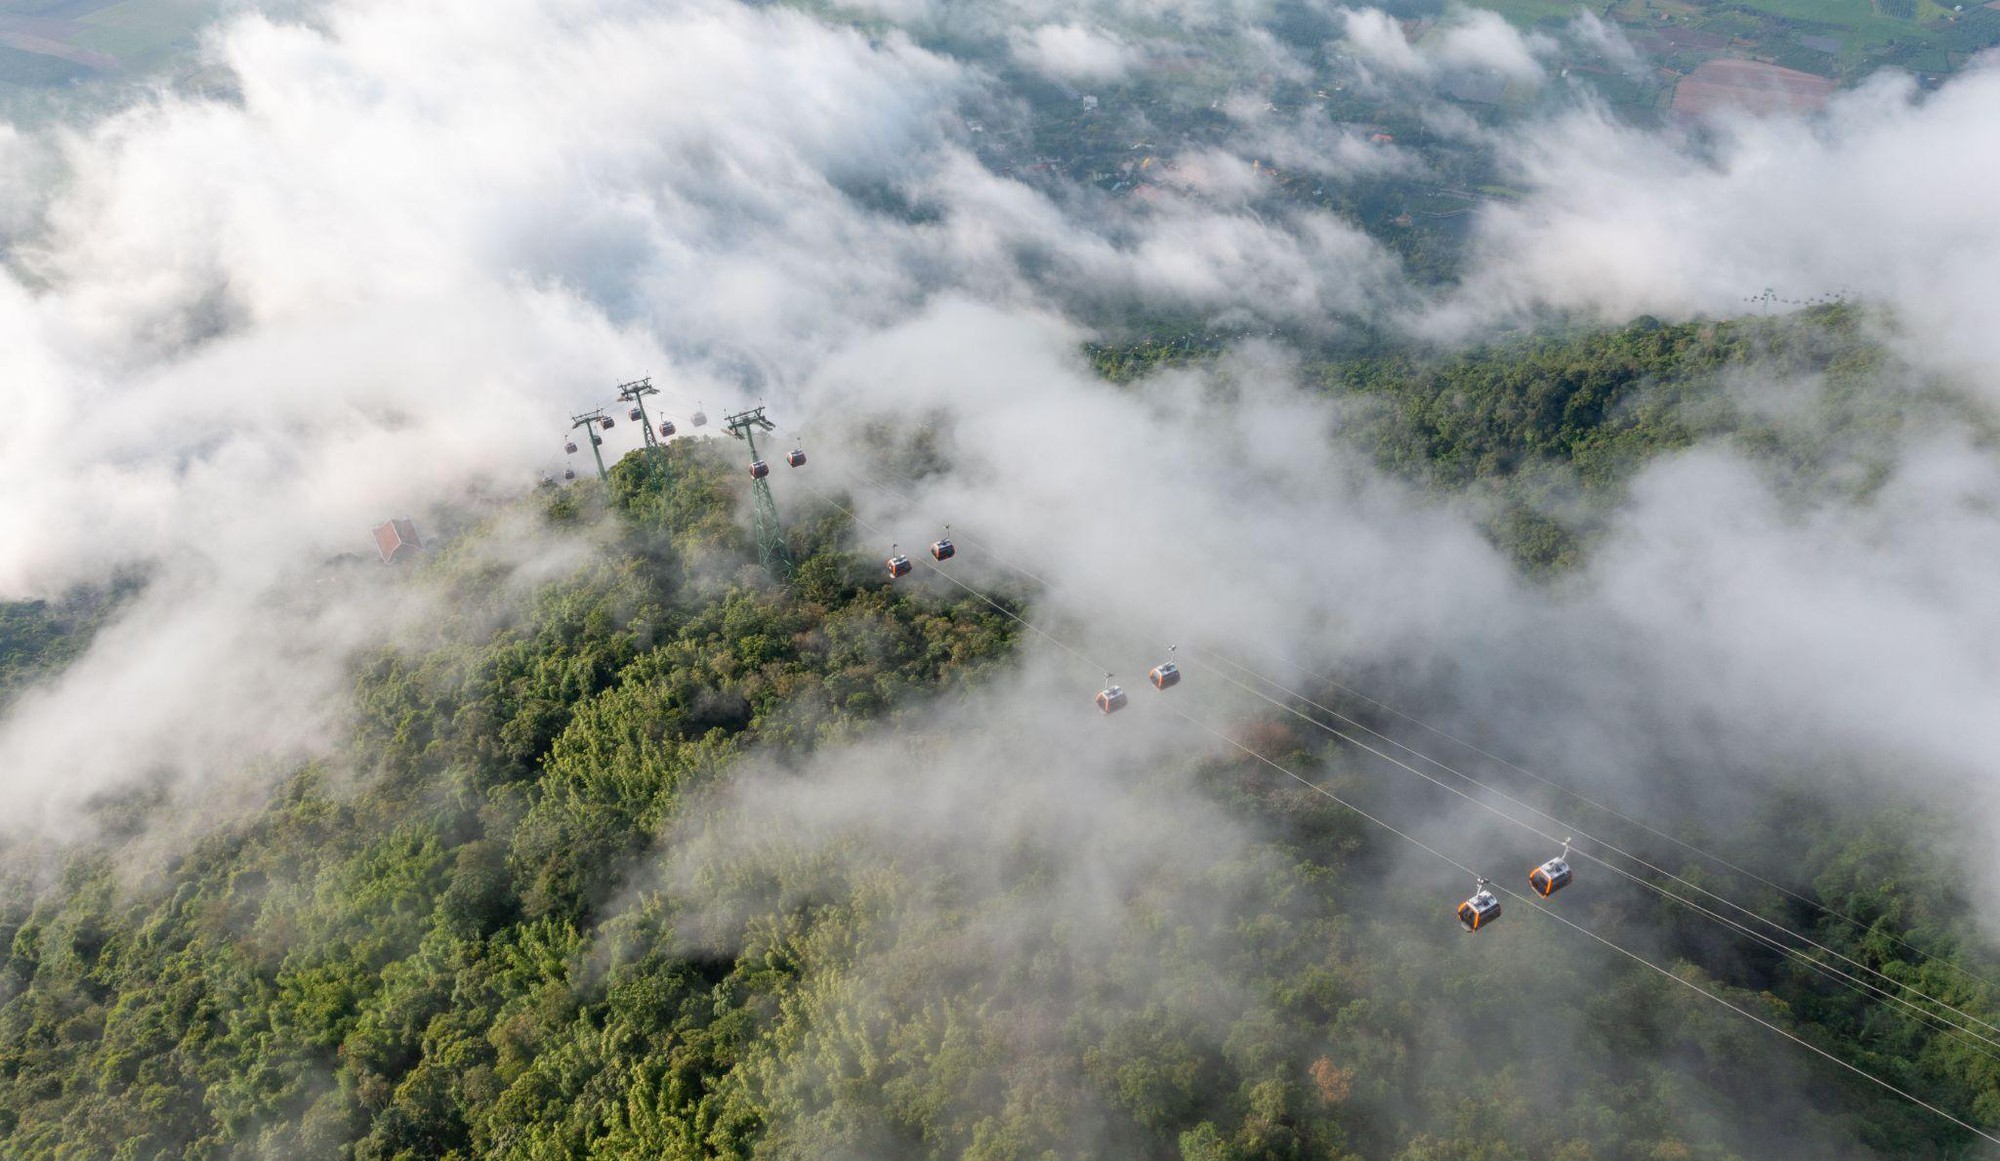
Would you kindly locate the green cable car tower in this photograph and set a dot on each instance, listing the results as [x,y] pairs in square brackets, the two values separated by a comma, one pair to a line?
[771,552]
[635,393]
[590,421]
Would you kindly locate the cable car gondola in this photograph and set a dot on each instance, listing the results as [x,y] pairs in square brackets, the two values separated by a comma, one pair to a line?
[759,469]
[1166,674]
[697,419]
[606,423]
[635,415]
[1480,910]
[899,565]
[942,548]
[1553,875]
[570,447]
[569,473]
[796,457]
[1110,699]
[666,428]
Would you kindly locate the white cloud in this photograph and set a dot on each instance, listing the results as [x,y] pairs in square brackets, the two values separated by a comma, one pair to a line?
[1074,52]
[383,232]
[1466,40]
[1882,198]
[240,334]
[1477,39]
[1602,38]
[237,335]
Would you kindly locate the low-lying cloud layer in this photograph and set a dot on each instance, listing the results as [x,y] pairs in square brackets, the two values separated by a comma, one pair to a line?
[1879,199]
[239,332]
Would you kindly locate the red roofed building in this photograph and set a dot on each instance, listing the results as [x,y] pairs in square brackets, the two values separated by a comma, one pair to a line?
[397,539]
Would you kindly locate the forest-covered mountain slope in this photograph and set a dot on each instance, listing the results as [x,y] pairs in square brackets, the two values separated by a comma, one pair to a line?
[550,900]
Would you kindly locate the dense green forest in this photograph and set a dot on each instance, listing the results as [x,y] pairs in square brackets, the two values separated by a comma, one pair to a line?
[1601,402]
[454,939]
[1543,431]
[38,638]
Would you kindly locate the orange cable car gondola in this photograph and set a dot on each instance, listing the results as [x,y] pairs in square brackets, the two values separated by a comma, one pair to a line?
[1480,910]
[796,457]
[1166,674]
[899,565]
[1110,699]
[759,469]
[942,548]
[666,428]
[1553,875]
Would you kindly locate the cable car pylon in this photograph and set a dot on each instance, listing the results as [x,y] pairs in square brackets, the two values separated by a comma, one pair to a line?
[590,421]
[635,393]
[771,550]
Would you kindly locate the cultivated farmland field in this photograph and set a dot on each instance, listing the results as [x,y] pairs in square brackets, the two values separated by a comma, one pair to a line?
[1847,38]
[141,32]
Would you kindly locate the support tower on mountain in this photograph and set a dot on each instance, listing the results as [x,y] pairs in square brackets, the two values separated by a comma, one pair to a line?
[635,393]
[771,552]
[590,421]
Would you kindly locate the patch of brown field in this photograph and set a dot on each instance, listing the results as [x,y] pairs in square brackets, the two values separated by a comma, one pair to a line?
[1750,86]
[50,37]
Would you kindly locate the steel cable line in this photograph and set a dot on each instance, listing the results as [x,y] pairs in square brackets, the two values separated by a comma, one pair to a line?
[1717,859]
[1933,1020]
[1573,925]
[1795,953]
[1615,813]
[934,567]
[1831,972]
[1510,893]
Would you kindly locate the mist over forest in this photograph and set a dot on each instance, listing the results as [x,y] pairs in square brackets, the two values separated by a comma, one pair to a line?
[1516,455]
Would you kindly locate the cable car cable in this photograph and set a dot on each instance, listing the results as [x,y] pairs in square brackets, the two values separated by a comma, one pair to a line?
[1933,1020]
[967,540]
[1900,984]
[1600,842]
[1633,955]
[936,568]
[1936,1021]
[1309,784]
[1620,815]
[1425,726]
